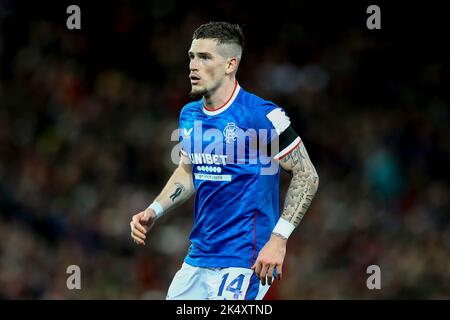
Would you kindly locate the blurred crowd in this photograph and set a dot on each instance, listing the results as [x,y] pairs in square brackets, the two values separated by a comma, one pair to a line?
[85,142]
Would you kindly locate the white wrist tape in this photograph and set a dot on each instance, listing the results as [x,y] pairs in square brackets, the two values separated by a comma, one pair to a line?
[284,228]
[157,208]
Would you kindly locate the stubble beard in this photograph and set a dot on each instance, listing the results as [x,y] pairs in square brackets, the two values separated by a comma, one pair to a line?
[197,94]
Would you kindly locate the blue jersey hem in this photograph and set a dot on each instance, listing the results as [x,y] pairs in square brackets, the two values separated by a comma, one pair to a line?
[214,262]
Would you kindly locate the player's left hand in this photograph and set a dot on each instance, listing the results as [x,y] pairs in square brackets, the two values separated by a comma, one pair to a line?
[270,257]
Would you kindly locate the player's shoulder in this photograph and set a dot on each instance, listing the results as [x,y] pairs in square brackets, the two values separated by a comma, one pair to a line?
[255,103]
[190,107]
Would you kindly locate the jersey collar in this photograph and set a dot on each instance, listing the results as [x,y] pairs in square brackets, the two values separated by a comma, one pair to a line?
[226,105]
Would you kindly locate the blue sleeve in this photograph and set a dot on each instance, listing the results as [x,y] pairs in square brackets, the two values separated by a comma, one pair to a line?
[182,131]
[271,121]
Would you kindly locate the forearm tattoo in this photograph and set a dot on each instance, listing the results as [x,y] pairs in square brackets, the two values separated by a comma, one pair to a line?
[178,190]
[303,187]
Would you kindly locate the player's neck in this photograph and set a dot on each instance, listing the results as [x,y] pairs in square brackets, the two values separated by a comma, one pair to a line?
[221,95]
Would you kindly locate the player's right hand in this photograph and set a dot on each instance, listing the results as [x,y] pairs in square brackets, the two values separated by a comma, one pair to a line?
[140,224]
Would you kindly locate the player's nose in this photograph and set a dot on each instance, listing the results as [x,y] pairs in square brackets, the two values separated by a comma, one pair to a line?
[193,65]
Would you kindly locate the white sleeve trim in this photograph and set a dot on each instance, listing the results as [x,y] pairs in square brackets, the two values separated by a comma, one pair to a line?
[288,149]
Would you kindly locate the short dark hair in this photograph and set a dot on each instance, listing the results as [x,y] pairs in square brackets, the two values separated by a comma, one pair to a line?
[223,32]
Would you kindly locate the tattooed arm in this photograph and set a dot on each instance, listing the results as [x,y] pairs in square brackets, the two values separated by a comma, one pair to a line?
[177,190]
[303,187]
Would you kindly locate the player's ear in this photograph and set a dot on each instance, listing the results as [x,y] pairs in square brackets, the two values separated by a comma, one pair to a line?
[231,65]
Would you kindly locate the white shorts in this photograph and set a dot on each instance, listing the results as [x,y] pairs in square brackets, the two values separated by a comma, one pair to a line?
[197,283]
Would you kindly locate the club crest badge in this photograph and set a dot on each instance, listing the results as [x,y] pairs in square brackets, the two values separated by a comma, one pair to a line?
[229,132]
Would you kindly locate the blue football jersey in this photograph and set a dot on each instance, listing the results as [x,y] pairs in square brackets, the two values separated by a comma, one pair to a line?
[235,176]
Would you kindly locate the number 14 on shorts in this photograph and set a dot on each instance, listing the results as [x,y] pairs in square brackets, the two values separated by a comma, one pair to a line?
[234,284]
